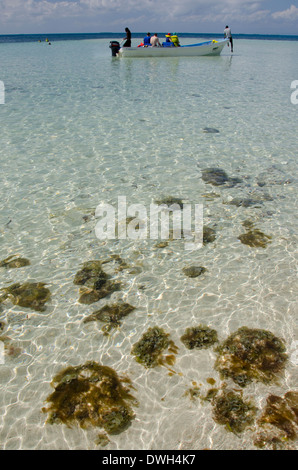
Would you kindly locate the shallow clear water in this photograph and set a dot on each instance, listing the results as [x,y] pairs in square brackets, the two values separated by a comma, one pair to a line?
[80,128]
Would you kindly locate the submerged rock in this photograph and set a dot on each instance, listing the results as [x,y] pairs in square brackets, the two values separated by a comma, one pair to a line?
[10,349]
[209,235]
[218,177]
[161,244]
[102,440]
[122,264]
[90,395]
[254,237]
[211,196]
[251,355]
[194,271]
[199,337]
[214,176]
[256,198]
[243,202]
[169,201]
[30,295]
[91,275]
[111,315]
[230,410]
[210,130]
[282,413]
[14,262]
[274,175]
[148,350]
[89,296]
[95,281]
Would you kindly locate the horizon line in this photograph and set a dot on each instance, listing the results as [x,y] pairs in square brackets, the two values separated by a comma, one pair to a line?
[141,33]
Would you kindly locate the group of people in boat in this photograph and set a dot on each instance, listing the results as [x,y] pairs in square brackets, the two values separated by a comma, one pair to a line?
[153,40]
[171,39]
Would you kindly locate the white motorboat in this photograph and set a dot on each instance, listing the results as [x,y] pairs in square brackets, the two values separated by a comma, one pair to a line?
[207,48]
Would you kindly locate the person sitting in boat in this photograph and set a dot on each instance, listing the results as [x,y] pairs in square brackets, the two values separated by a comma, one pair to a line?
[175,40]
[147,40]
[154,41]
[168,42]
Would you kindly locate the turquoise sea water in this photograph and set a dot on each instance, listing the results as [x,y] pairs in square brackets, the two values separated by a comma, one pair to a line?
[80,128]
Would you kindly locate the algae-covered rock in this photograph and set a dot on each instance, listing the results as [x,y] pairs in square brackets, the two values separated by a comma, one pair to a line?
[10,349]
[30,295]
[244,202]
[230,410]
[218,177]
[117,420]
[90,395]
[214,176]
[210,130]
[161,245]
[253,236]
[95,282]
[278,424]
[89,296]
[14,262]
[282,412]
[199,337]
[275,175]
[91,275]
[148,350]
[209,235]
[102,439]
[194,271]
[169,201]
[111,315]
[122,264]
[255,199]
[249,355]
[210,196]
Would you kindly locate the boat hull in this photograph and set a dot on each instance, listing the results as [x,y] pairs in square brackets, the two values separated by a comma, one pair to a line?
[208,48]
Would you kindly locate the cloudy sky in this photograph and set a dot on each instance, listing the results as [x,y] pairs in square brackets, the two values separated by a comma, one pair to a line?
[201,16]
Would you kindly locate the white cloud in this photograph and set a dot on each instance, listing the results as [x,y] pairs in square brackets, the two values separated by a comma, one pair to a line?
[18,16]
[33,9]
[19,8]
[289,14]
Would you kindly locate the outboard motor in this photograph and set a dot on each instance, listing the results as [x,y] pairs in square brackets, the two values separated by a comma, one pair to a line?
[115,47]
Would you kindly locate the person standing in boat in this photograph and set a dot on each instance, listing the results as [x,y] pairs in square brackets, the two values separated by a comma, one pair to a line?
[228,35]
[154,41]
[127,39]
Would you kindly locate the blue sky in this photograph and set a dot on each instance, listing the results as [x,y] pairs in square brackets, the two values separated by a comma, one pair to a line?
[200,16]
